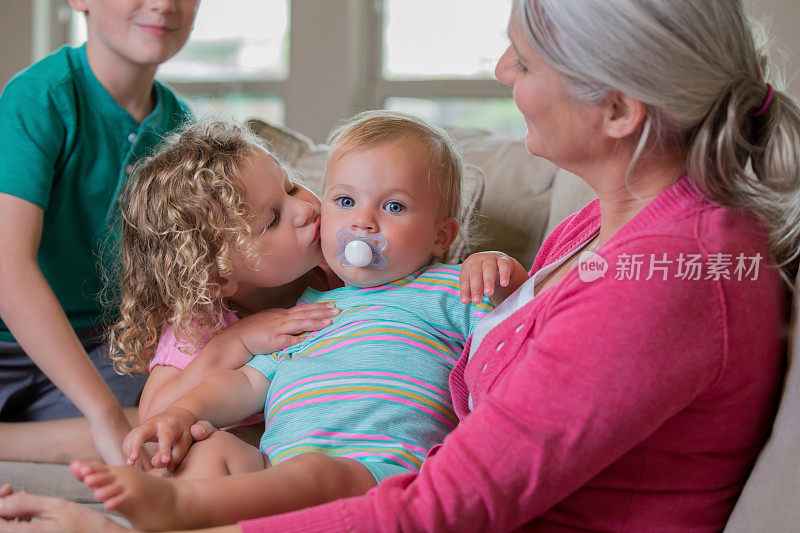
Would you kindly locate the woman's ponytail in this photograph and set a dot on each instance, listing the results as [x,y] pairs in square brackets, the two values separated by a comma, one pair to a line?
[746,155]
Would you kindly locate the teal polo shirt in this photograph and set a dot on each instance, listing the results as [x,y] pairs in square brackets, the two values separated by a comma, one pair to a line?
[68,147]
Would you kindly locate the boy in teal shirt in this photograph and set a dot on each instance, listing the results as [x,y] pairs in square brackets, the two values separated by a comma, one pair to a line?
[71,127]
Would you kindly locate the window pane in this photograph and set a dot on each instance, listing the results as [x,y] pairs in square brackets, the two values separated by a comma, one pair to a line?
[231,41]
[426,39]
[498,115]
[238,106]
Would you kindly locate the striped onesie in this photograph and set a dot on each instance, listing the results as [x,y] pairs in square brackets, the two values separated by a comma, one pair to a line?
[373,385]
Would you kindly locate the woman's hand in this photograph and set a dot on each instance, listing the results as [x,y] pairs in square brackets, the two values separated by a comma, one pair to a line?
[275,329]
[43,515]
[492,274]
[171,429]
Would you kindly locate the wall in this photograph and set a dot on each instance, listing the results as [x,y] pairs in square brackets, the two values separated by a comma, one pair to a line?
[15,37]
[782,19]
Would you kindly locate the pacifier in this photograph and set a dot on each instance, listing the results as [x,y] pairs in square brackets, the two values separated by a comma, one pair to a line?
[361,251]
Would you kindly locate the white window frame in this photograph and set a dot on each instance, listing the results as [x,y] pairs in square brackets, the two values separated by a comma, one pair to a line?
[382,88]
[335,65]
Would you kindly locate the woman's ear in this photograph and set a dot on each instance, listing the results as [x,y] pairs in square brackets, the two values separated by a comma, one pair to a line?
[624,115]
[445,235]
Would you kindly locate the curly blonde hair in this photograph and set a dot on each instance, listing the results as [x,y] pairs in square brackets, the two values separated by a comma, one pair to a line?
[182,216]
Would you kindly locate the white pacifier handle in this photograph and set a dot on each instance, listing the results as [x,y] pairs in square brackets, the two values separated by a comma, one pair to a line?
[358,253]
[361,252]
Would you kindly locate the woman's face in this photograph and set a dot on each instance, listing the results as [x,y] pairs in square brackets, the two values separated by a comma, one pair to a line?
[561,128]
[286,224]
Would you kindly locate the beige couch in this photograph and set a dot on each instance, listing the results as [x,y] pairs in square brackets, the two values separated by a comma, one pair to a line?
[516,200]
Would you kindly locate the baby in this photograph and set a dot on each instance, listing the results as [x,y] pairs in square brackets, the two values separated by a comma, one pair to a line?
[355,402]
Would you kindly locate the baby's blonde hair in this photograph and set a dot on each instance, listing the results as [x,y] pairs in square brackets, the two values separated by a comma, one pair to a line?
[372,129]
[183,214]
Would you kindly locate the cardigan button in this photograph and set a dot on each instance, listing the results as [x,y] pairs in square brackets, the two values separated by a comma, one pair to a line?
[519,328]
[132,138]
[499,346]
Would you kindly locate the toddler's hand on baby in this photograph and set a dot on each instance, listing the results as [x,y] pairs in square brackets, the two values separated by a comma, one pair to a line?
[171,429]
[275,329]
[481,273]
[201,430]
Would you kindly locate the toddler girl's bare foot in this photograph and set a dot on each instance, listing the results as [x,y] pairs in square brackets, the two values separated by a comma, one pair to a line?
[149,502]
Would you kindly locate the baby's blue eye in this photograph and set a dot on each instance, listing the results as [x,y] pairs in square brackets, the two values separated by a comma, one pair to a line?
[395,207]
[345,201]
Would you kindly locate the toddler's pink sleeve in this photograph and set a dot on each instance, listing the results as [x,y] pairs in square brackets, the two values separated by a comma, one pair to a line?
[168,352]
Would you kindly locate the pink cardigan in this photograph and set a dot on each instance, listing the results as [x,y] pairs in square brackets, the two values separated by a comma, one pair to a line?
[616,404]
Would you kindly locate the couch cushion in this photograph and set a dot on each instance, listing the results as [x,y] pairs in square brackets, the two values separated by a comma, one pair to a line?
[516,203]
[44,479]
[769,499]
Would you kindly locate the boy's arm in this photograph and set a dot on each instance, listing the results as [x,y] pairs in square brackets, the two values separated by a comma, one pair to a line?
[223,398]
[34,316]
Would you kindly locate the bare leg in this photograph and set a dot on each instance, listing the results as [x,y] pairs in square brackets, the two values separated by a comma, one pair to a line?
[52,441]
[165,503]
[221,454]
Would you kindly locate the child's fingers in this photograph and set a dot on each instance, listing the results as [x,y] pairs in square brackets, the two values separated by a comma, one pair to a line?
[293,326]
[318,309]
[489,276]
[317,312]
[463,283]
[132,444]
[179,450]
[166,439]
[504,268]
[284,341]
[201,430]
[476,285]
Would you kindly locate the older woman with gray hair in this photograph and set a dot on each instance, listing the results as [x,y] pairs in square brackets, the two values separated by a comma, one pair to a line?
[632,401]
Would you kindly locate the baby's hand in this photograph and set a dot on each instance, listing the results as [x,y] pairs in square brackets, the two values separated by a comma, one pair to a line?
[171,429]
[275,329]
[481,273]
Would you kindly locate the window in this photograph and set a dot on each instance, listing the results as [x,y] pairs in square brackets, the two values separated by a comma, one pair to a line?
[438,62]
[311,63]
[494,114]
[419,44]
